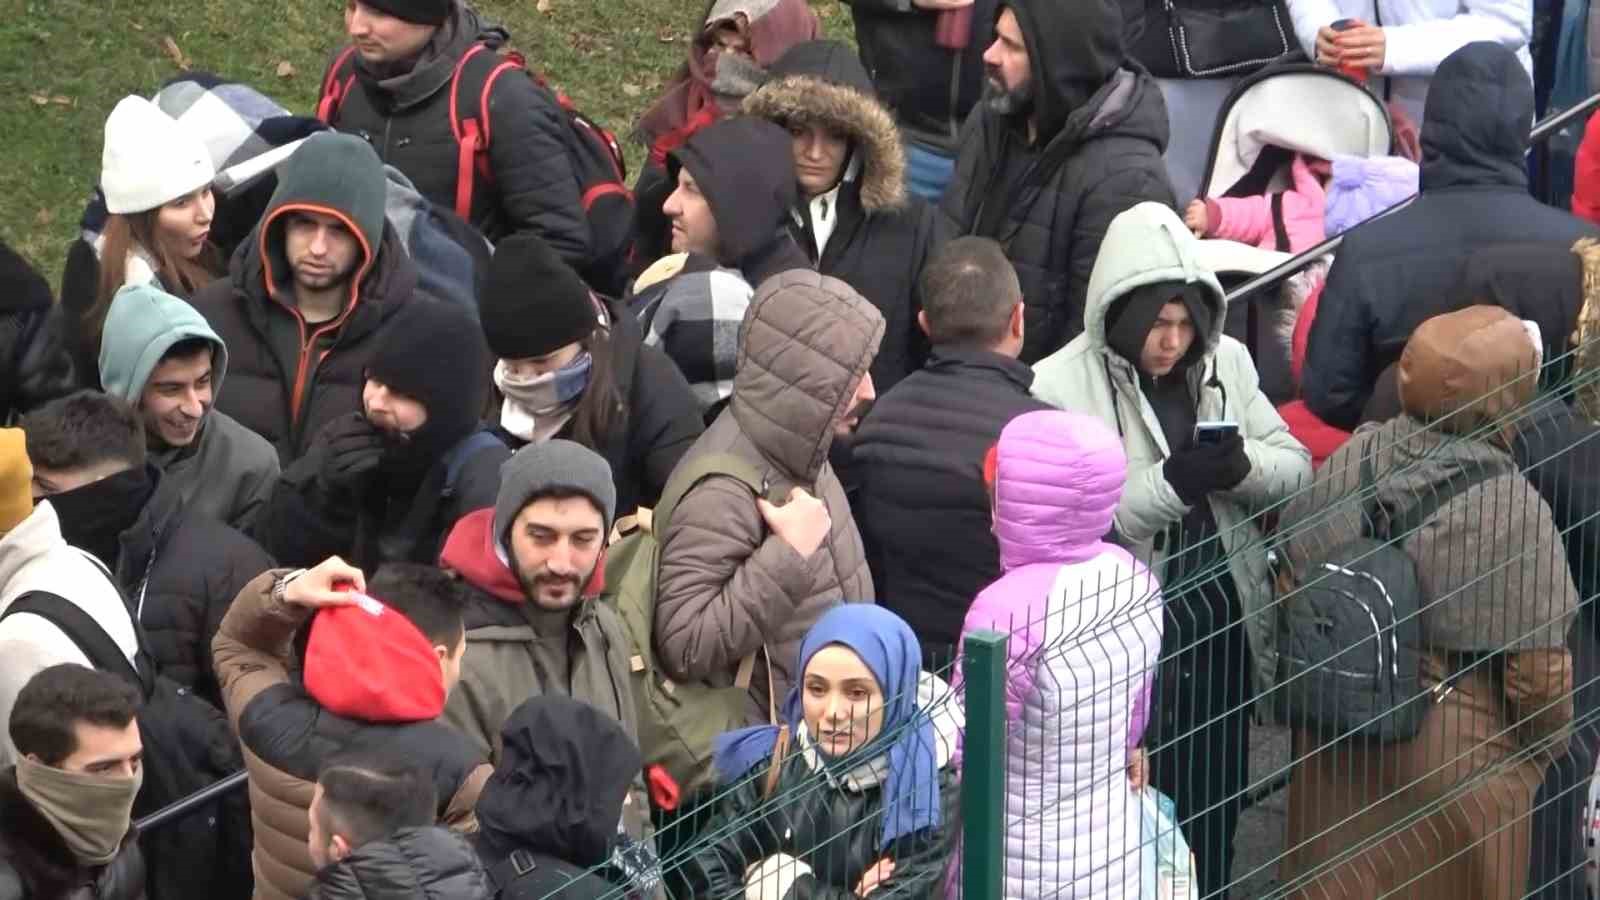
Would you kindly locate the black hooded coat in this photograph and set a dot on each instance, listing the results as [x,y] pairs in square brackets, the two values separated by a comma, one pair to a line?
[1101,128]
[1393,273]
[552,806]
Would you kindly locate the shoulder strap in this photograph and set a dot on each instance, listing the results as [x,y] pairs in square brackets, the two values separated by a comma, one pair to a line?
[1280,229]
[1418,514]
[469,123]
[336,85]
[513,867]
[462,453]
[697,469]
[79,627]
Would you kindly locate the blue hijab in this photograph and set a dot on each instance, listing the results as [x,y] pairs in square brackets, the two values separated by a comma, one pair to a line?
[890,650]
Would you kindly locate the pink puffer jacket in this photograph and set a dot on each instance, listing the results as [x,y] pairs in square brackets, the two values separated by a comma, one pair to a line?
[1084,620]
[1248,220]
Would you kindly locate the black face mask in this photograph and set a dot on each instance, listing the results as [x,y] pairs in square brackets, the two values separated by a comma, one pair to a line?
[93,517]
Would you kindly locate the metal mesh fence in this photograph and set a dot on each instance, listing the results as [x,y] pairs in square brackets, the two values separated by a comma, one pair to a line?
[1404,704]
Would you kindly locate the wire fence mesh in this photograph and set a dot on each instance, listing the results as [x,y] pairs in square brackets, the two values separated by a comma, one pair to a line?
[1422,665]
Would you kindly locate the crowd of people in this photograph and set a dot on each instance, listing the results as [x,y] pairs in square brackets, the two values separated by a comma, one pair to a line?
[522,532]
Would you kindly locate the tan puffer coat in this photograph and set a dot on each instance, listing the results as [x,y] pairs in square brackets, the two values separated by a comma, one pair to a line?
[286,736]
[728,586]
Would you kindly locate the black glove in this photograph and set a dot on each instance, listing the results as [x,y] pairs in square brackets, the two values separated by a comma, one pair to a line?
[1202,469]
[351,450]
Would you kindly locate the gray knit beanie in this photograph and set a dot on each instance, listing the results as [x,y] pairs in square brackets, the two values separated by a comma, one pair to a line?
[554,465]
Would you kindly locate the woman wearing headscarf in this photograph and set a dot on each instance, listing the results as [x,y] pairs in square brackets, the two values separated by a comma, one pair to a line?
[737,41]
[1084,620]
[853,793]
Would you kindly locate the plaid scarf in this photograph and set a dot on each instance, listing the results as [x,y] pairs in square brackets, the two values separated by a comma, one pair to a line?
[537,407]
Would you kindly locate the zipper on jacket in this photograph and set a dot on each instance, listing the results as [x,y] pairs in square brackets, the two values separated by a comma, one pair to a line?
[953,120]
[388,123]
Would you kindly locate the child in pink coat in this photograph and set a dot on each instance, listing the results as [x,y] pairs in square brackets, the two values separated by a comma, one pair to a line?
[1326,198]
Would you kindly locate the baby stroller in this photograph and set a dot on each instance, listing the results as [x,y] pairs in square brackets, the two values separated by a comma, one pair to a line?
[1262,126]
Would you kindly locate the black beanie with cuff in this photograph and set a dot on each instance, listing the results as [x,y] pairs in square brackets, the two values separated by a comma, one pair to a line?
[420,12]
[533,303]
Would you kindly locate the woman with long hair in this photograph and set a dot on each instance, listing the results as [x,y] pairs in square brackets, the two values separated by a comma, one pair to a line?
[155,178]
[573,365]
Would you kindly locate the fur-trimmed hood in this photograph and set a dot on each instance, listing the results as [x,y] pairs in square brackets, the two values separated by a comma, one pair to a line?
[823,83]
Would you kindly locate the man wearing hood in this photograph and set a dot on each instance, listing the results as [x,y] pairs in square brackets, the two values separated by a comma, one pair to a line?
[739,574]
[180,568]
[308,293]
[396,94]
[853,218]
[1153,363]
[372,835]
[316,662]
[1499,603]
[159,355]
[533,567]
[1070,134]
[1474,194]
[735,187]
[387,483]
[548,814]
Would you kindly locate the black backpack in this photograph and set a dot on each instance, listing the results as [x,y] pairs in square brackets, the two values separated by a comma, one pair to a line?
[188,745]
[1350,631]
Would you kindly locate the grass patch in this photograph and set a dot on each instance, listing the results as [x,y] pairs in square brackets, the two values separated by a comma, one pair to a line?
[67,62]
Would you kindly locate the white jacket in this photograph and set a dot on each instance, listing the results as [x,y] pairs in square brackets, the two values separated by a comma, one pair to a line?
[34,557]
[1145,245]
[1419,34]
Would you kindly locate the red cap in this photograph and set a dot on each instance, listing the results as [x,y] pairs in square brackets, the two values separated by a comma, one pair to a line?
[368,662]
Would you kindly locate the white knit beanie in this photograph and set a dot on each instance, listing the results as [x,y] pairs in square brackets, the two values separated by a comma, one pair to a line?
[149,158]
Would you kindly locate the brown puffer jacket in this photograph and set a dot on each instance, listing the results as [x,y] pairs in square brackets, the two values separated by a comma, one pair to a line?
[727,585]
[286,736]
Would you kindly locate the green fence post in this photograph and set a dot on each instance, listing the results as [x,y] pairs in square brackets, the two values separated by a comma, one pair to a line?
[983,767]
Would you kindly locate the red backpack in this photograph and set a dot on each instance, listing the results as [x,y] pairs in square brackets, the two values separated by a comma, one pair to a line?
[596,156]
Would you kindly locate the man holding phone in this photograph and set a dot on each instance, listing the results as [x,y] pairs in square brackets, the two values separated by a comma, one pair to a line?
[1206,452]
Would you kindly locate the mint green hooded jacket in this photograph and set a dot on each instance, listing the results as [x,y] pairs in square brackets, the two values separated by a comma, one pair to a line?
[228,471]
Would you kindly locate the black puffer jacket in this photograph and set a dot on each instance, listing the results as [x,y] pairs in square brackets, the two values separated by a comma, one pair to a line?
[555,800]
[406,118]
[661,415]
[35,863]
[832,829]
[304,523]
[261,391]
[38,366]
[882,236]
[930,88]
[1107,118]
[412,864]
[922,506]
[183,571]
[1474,194]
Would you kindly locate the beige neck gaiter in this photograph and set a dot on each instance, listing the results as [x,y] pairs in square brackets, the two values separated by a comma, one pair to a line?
[92,813]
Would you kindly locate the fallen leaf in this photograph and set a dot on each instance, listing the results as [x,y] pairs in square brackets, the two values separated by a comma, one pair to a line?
[667,35]
[174,53]
[136,26]
[543,6]
[39,99]
[63,101]
[632,90]
[285,69]
[44,216]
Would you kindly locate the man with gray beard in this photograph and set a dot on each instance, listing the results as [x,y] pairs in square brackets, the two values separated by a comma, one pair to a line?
[1069,134]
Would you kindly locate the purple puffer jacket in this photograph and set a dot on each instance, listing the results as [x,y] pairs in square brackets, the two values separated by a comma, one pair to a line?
[1084,620]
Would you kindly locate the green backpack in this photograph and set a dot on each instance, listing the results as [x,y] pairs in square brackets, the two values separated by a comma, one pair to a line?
[677,721]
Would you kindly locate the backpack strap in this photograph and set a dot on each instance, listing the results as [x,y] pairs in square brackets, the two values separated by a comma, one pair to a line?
[696,470]
[336,85]
[462,453]
[471,125]
[1280,228]
[80,628]
[506,872]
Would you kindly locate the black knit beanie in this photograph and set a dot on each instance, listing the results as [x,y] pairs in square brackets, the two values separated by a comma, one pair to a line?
[422,12]
[533,303]
[432,352]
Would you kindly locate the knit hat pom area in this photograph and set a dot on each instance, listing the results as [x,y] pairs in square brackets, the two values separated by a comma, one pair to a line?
[420,12]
